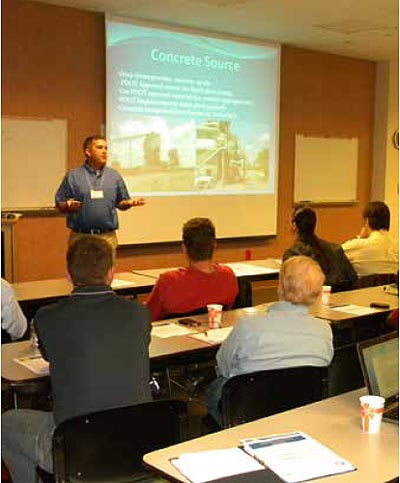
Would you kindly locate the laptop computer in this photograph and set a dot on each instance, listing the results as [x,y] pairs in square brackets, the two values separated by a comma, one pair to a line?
[379,359]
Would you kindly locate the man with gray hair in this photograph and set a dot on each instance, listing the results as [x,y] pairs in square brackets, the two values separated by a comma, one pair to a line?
[284,336]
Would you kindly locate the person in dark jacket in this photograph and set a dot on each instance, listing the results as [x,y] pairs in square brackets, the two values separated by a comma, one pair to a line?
[97,344]
[338,271]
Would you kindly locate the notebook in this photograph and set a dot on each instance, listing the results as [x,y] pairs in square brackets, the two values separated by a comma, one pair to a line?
[379,359]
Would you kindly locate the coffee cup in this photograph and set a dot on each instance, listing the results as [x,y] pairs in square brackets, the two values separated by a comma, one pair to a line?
[214,315]
[371,413]
[326,294]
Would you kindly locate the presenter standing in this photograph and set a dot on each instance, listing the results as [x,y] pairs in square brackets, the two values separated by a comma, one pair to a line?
[90,194]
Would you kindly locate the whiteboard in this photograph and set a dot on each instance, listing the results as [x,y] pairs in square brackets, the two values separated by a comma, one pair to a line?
[326,169]
[33,161]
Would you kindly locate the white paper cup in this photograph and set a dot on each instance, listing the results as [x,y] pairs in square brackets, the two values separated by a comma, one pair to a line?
[326,294]
[214,315]
[371,413]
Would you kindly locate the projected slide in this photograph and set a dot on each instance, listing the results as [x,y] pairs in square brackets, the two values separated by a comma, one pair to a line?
[190,115]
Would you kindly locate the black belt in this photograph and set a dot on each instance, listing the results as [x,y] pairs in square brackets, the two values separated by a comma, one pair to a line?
[93,231]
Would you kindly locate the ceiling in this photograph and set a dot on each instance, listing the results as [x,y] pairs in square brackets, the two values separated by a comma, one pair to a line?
[365,29]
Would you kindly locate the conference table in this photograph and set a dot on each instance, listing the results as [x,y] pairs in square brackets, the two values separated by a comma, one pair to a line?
[183,349]
[334,422]
[33,294]
[251,270]
[126,283]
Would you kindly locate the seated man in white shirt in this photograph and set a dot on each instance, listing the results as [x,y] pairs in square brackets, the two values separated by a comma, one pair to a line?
[13,320]
[373,251]
[286,335]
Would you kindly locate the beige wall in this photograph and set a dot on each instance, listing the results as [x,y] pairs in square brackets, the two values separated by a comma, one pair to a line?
[392,155]
[385,179]
[53,66]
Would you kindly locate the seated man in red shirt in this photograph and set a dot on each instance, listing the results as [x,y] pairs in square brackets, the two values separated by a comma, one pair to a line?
[202,282]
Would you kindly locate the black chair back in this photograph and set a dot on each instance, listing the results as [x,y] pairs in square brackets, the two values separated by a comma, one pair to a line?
[252,396]
[378,279]
[344,372]
[108,446]
[5,337]
[244,297]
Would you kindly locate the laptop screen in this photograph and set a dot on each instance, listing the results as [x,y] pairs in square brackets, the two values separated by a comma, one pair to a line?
[380,364]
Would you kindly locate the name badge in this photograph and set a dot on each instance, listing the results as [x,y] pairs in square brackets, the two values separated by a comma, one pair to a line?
[96,194]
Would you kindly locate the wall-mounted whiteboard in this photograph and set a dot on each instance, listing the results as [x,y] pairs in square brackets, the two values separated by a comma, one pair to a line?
[325,169]
[33,161]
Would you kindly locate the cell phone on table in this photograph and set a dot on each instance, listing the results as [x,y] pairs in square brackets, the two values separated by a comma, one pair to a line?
[189,322]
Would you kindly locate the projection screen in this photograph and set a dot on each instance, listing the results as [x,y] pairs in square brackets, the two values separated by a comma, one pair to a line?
[192,123]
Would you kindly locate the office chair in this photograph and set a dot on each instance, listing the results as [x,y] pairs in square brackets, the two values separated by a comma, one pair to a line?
[32,394]
[259,394]
[244,297]
[108,446]
[195,376]
[344,372]
[375,279]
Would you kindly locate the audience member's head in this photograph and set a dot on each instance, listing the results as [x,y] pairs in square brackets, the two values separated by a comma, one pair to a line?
[378,215]
[300,280]
[89,261]
[198,235]
[304,219]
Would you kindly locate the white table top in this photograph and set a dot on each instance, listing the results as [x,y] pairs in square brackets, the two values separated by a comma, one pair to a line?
[61,287]
[182,346]
[334,422]
[267,268]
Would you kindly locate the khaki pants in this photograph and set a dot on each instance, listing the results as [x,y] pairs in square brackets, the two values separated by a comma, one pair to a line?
[110,237]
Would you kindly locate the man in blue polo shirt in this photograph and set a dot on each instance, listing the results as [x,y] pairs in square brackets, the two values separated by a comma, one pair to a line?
[90,194]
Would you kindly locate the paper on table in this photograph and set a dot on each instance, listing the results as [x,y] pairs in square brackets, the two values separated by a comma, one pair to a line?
[118,283]
[165,330]
[213,336]
[210,465]
[354,309]
[296,456]
[35,364]
[242,269]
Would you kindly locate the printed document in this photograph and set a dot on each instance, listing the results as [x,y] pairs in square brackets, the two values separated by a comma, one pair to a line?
[296,457]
